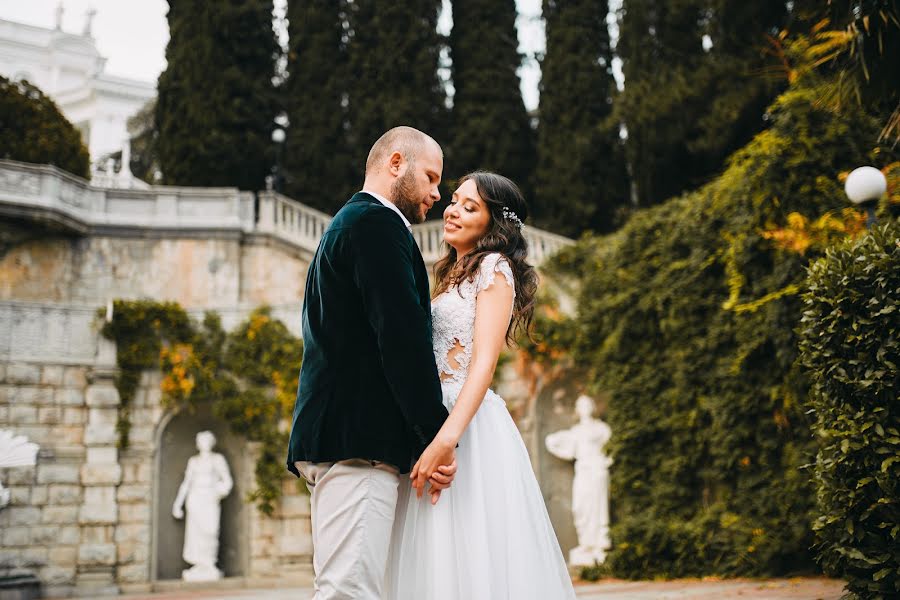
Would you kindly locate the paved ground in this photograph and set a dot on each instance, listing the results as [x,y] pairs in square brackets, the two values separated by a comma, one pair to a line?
[778,589]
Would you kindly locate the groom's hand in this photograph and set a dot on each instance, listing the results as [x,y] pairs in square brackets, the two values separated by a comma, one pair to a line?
[437,454]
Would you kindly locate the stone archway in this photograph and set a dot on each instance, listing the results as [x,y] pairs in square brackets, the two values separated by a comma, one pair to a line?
[555,411]
[175,444]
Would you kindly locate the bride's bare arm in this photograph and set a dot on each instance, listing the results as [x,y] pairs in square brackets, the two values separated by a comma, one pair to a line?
[492,311]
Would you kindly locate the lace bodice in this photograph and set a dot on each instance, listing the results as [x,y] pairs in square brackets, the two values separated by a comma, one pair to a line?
[453,317]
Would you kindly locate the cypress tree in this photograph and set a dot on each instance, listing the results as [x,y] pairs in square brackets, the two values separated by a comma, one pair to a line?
[736,83]
[687,107]
[393,56]
[581,180]
[144,140]
[490,126]
[316,158]
[215,99]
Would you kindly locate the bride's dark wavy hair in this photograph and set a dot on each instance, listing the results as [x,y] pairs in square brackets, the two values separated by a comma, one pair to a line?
[503,235]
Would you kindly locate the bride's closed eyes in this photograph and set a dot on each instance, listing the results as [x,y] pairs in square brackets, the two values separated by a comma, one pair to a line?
[468,207]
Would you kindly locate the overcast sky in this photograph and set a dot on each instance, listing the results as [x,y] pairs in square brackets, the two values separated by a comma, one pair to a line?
[132,34]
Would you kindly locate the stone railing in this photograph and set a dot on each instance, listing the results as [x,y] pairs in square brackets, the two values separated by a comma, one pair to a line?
[430,238]
[291,221]
[541,244]
[43,192]
[46,193]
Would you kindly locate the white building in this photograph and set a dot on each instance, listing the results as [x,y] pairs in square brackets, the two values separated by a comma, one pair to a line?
[68,68]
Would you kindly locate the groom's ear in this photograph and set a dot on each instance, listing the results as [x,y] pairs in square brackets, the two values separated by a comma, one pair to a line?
[395,163]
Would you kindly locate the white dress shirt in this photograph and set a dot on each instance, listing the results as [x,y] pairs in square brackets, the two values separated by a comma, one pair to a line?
[391,206]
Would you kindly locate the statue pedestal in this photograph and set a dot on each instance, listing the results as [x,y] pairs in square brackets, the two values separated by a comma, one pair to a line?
[586,557]
[201,573]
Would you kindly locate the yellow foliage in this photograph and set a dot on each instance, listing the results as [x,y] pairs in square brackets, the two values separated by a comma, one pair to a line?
[799,235]
[257,322]
[735,277]
[177,363]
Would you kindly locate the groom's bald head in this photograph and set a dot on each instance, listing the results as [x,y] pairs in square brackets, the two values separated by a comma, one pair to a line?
[405,166]
[408,141]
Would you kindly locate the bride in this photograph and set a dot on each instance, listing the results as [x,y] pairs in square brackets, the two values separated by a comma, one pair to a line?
[489,537]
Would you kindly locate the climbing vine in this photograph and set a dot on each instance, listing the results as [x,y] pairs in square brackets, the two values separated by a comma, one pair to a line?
[247,377]
[685,319]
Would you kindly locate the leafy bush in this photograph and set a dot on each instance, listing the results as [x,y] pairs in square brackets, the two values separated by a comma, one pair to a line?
[33,130]
[850,342]
[248,377]
[686,319]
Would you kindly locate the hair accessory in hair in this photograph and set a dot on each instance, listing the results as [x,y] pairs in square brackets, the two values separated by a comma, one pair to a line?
[509,214]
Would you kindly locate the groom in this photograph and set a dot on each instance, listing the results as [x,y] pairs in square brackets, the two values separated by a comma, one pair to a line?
[369,400]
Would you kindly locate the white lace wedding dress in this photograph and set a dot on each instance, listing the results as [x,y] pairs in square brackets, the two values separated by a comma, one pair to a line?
[489,537]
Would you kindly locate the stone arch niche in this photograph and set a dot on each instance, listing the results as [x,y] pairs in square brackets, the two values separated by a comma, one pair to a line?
[175,444]
[555,409]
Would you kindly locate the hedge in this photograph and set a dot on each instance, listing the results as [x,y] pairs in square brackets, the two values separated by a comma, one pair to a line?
[686,319]
[850,343]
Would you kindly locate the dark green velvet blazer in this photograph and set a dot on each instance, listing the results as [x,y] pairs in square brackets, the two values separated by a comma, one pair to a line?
[369,386]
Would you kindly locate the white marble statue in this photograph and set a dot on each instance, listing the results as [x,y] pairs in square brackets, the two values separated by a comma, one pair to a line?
[584,444]
[15,451]
[206,481]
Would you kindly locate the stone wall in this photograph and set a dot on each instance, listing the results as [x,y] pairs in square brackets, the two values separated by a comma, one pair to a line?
[61,519]
[83,518]
[204,273]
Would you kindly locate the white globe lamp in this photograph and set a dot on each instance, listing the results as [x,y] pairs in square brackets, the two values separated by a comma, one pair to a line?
[864,186]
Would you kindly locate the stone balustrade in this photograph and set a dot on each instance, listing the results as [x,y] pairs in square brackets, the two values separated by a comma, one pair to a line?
[541,244]
[291,221]
[43,192]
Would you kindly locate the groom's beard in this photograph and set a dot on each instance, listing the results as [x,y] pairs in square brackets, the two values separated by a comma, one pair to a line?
[403,195]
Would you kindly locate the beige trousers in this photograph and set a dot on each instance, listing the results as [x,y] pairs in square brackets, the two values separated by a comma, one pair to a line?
[353,504]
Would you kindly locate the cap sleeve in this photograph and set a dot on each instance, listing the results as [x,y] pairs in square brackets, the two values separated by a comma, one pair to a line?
[490,266]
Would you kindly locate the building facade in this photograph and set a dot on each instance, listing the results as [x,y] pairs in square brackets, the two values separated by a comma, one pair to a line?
[69,69]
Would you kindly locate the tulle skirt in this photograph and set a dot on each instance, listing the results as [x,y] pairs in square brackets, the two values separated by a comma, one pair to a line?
[489,537]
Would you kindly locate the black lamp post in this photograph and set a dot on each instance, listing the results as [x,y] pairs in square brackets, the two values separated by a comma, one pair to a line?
[278,137]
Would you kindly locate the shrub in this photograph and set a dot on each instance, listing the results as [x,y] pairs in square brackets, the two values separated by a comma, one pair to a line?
[850,343]
[32,129]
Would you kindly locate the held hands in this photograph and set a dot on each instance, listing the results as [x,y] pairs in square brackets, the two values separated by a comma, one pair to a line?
[437,466]
[441,480]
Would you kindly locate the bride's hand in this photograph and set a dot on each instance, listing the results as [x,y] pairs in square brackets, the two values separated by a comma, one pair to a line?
[443,477]
[437,454]
[441,480]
